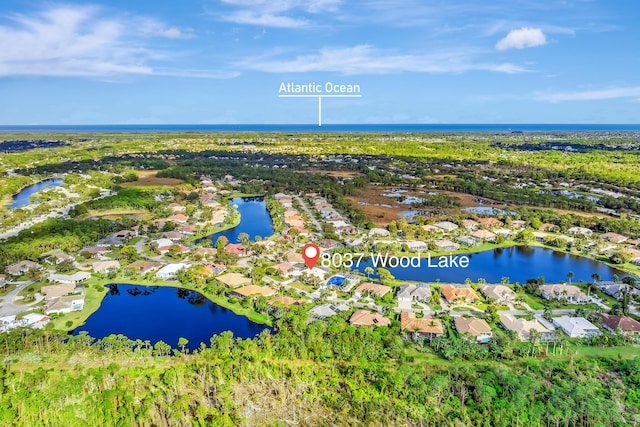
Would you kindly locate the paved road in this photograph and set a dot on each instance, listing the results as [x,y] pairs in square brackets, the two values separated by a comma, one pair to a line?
[8,308]
[308,211]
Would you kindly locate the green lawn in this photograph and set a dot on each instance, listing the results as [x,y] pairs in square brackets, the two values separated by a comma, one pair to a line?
[301,286]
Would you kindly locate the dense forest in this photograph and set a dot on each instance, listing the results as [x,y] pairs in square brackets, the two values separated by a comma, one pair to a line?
[323,373]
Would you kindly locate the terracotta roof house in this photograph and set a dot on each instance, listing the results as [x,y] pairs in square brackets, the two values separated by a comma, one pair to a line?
[366,318]
[284,268]
[478,328]
[233,280]
[236,248]
[446,225]
[548,227]
[426,327]
[143,267]
[250,291]
[576,327]
[569,293]
[372,289]
[490,222]
[523,327]
[500,293]
[623,323]
[614,237]
[179,218]
[294,256]
[431,229]
[457,293]
[329,244]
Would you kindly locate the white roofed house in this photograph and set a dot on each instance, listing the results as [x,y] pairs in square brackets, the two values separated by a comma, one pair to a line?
[580,231]
[446,225]
[523,327]
[105,266]
[170,271]
[411,293]
[576,327]
[416,245]
[446,245]
[500,293]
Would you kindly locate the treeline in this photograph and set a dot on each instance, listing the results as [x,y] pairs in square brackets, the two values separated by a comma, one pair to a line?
[53,234]
[324,373]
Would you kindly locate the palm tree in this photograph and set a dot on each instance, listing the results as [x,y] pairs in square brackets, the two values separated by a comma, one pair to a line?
[595,277]
[570,276]
[368,271]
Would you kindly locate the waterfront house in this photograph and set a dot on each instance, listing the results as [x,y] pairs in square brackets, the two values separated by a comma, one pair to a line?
[500,293]
[569,293]
[446,245]
[366,318]
[170,271]
[233,280]
[576,327]
[250,291]
[623,324]
[105,266]
[414,293]
[458,293]
[54,291]
[65,304]
[478,328]
[143,267]
[416,246]
[484,235]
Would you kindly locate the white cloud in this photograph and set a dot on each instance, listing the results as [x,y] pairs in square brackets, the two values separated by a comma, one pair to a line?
[522,38]
[275,13]
[81,41]
[591,95]
[365,59]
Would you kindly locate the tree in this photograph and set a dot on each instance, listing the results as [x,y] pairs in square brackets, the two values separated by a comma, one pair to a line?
[368,271]
[595,277]
[570,276]
[182,343]
[547,313]
[243,238]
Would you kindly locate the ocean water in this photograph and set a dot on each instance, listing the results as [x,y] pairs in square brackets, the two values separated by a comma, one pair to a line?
[499,128]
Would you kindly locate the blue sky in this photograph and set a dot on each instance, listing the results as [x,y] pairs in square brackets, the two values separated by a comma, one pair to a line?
[416,61]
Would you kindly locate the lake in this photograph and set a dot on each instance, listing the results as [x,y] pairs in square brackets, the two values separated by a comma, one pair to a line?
[158,313]
[254,220]
[22,198]
[518,263]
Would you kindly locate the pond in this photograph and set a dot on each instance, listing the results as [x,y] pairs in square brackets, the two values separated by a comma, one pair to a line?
[158,313]
[23,197]
[255,220]
[518,263]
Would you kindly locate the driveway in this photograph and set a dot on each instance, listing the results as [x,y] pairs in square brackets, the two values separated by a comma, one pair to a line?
[7,305]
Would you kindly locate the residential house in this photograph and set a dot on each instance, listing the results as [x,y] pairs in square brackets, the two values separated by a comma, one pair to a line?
[614,237]
[284,268]
[329,244]
[54,291]
[624,324]
[470,224]
[143,267]
[490,222]
[286,301]
[178,218]
[427,327]
[205,253]
[371,289]
[22,267]
[576,327]
[416,246]
[65,304]
[174,236]
[518,224]
[549,227]
[233,280]
[59,257]
[414,293]
[484,235]
[250,291]
[105,266]
[326,310]
[170,271]
[616,289]
[366,318]
[569,293]
[70,279]
[500,293]
[34,320]
[431,228]
[580,231]
[379,232]
[446,245]
[236,248]
[95,250]
[467,241]
[176,247]
[458,293]
[446,225]
[523,327]
[478,328]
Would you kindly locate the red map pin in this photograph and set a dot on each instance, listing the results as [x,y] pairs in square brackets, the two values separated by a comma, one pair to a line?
[310,253]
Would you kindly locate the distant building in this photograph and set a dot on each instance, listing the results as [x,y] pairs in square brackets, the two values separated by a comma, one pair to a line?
[446,225]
